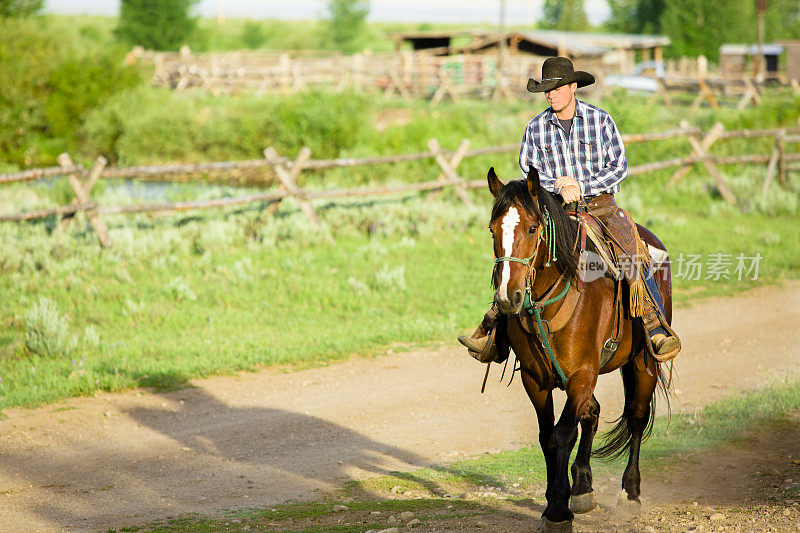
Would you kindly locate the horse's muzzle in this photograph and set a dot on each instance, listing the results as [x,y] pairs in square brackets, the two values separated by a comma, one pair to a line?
[513,305]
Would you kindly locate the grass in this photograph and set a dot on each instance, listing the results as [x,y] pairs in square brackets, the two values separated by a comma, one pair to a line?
[202,294]
[515,475]
[214,293]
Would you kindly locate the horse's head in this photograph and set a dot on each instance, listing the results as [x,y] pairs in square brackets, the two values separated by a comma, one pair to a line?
[517,228]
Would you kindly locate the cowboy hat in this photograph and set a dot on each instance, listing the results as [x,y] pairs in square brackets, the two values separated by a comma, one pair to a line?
[558,71]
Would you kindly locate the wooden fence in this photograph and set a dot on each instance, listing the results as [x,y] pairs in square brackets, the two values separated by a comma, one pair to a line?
[82,180]
[419,75]
[406,74]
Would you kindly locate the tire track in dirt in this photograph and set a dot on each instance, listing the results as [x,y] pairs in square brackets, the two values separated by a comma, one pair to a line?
[257,439]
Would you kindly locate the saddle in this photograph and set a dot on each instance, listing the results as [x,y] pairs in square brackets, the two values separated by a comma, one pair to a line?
[618,243]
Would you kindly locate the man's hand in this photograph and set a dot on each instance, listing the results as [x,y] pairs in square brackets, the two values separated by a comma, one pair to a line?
[568,188]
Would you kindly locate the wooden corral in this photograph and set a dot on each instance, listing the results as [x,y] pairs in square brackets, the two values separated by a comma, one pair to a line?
[407,74]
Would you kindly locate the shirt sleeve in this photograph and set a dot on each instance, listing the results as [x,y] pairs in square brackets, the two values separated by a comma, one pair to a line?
[616,162]
[529,157]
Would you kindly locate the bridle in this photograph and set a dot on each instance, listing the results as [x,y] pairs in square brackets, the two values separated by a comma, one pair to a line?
[547,226]
[530,305]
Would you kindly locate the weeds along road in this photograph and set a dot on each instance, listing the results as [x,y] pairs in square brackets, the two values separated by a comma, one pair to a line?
[257,439]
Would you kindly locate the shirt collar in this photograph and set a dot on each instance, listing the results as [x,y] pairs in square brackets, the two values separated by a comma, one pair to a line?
[579,112]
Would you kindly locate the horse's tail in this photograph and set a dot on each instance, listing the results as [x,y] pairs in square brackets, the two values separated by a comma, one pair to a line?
[618,439]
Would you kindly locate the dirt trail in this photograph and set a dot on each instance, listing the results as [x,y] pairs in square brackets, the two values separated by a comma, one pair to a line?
[257,439]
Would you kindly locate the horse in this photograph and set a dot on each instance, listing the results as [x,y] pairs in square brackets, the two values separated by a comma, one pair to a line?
[536,257]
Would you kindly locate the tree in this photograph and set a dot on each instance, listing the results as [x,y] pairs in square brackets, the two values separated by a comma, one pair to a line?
[782,20]
[568,15]
[156,24]
[635,16]
[20,8]
[346,23]
[700,26]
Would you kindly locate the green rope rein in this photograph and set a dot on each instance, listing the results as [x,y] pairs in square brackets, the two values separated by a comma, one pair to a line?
[549,237]
[536,311]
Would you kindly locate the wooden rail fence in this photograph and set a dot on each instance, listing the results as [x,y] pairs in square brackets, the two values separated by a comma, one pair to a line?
[82,180]
[421,75]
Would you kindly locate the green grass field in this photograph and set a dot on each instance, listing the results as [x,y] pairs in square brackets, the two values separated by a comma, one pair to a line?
[218,292]
[196,295]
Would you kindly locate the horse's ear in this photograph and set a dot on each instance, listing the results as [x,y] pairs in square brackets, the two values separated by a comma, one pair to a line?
[494,182]
[533,182]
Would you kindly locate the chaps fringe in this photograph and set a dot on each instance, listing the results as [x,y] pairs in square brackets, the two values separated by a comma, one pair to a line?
[638,292]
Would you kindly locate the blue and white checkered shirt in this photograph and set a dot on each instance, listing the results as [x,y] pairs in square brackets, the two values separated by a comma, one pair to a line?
[593,153]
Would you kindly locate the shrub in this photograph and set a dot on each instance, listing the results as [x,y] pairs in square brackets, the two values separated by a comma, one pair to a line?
[79,84]
[180,289]
[391,279]
[47,331]
[253,34]
[27,56]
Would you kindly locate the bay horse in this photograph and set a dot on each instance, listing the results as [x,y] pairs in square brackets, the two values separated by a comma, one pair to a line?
[530,270]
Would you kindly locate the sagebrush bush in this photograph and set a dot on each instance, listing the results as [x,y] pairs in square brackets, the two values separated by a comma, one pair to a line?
[391,278]
[180,289]
[47,330]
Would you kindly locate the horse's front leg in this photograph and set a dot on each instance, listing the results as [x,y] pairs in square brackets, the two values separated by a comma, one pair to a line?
[542,401]
[557,516]
[582,495]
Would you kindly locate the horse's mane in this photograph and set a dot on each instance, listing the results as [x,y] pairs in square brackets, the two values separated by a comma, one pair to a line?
[566,229]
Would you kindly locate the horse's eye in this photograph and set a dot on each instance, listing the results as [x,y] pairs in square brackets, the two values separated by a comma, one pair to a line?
[532,230]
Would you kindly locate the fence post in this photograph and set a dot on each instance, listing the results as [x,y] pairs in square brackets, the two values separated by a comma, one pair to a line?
[700,153]
[288,177]
[781,143]
[445,87]
[94,174]
[455,160]
[774,157]
[449,171]
[83,197]
[699,149]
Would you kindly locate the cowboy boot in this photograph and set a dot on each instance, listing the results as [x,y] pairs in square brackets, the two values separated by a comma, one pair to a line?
[481,344]
[665,345]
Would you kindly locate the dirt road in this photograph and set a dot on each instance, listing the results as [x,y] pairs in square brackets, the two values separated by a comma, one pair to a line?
[257,439]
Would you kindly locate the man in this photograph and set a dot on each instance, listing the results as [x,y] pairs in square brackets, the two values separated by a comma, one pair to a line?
[578,153]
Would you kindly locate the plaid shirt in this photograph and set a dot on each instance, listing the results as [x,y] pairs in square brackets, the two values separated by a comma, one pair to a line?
[593,154]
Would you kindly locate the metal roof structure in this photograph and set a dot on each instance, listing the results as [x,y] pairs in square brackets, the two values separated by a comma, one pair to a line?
[538,42]
[750,49]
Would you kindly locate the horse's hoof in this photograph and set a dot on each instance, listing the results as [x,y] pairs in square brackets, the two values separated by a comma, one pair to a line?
[626,507]
[556,527]
[582,503]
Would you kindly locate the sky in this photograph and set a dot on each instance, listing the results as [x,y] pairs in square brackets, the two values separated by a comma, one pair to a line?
[478,11]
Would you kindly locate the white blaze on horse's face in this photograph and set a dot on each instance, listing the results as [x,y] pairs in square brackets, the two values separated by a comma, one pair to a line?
[509,226]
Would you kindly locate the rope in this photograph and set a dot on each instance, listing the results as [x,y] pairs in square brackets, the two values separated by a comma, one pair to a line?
[535,309]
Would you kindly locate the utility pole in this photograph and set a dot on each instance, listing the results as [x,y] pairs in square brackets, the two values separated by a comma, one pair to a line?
[502,41]
[759,62]
[221,11]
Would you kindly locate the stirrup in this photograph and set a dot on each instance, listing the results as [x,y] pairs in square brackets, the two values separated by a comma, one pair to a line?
[483,348]
[664,349]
